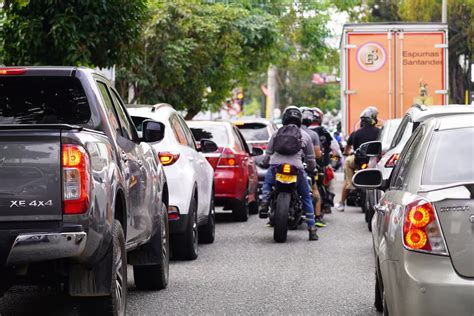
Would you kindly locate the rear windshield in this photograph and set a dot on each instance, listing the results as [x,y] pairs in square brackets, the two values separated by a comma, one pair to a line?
[43,100]
[449,158]
[254,131]
[216,133]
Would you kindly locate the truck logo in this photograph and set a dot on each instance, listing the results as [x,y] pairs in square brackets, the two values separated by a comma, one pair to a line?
[371,56]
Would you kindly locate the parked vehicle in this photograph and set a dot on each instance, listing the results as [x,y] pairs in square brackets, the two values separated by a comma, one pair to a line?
[385,138]
[403,63]
[191,213]
[81,194]
[414,117]
[423,227]
[286,207]
[235,173]
[257,133]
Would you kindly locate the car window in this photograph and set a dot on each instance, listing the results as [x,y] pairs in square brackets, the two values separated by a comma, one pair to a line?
[242,140]
[43,100]
[400,131]
[178,130]
[128,129]
[442,166]
[254,131]
[111,113]
[238,142]
[407,159]
[187,133]
[217,133]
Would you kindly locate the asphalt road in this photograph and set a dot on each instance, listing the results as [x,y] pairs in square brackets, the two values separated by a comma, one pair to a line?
[245,272]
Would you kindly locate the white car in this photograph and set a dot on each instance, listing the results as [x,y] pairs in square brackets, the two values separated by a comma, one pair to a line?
[190,179]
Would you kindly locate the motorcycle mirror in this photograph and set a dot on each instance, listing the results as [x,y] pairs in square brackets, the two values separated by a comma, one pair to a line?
[371,149]
[368,179]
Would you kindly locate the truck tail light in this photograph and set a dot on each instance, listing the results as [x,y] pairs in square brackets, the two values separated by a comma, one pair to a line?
[227,159]
[76,179]
[421,228]
[167,158]
[392,161]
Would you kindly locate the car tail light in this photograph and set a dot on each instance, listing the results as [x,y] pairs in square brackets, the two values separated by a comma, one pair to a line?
[227,159]
[392,161]
[76,179]
[12,71]
[173,213]
[167,158]
[421,228]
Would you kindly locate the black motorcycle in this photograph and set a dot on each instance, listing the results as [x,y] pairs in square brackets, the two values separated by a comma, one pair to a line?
[286,207]
[356,196]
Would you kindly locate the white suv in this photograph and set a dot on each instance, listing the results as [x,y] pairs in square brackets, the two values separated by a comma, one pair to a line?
[190,179]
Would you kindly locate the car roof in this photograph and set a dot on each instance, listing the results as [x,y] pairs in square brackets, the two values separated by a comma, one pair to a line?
[151,111]
[454,121]
[422,113]
[209,123]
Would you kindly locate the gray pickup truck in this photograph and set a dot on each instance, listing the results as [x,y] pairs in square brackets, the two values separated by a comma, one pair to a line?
[81,195]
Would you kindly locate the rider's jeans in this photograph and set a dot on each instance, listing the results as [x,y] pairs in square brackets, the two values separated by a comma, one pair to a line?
[302,187]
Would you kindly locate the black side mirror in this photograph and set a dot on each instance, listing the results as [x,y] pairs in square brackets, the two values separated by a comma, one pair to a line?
[153,131]
[368,179]
[256,151]
[371,149]
[208,146]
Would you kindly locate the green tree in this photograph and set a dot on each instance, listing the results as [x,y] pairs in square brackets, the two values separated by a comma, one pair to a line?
[73,32]
[193,54]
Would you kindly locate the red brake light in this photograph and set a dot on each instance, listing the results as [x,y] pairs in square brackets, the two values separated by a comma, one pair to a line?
[167,158]
[227,159]
[12,71]
[286,168]
[173,213]
[421,229]
[392,161]
[76,179]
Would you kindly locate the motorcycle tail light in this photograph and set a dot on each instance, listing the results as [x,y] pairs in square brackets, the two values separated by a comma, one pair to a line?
[167,158]
[286,168]
[392,161]
[421,229]
[363,166]
[227,159]
[76,179]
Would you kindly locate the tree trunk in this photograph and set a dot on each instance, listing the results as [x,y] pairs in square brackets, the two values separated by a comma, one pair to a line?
[191,113]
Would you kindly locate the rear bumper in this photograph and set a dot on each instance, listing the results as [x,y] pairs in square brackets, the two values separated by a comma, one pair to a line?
[425,284]
[229,183]
[35,247]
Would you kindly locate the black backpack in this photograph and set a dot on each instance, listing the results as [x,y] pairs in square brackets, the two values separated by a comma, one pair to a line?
[288,140]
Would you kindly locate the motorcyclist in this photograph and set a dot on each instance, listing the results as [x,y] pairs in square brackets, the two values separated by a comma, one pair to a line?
[291,115]
[307,120]
[366,133]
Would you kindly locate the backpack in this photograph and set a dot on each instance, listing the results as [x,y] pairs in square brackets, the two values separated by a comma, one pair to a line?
[288,140]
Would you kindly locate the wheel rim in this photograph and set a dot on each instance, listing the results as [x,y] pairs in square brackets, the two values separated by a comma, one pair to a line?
[164,247]
[119,281]
[195,233]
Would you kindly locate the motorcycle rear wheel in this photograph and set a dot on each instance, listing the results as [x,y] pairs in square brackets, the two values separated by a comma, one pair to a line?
[282,207]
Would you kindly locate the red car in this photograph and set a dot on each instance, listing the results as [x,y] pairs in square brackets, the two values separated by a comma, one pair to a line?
[235,172]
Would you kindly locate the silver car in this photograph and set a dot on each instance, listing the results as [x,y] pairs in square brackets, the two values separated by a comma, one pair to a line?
[423,228]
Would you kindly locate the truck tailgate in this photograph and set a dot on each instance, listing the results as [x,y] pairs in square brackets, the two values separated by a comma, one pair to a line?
[30,175]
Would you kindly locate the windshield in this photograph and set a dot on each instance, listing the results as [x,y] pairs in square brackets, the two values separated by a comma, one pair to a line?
[449,158]
[43,100]
[254,131]
[216,133]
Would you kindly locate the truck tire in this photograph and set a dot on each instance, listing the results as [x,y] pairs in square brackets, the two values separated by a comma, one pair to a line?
[207,232]
[115,303]
[240,209]
[280,229]
[185,245]
[156,276]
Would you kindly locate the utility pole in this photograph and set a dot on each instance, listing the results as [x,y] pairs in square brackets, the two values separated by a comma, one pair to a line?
[272,91]
[444,12]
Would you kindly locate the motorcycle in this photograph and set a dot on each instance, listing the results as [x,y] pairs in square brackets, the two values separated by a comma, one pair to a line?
[356,196]
[286,207]
[322,178]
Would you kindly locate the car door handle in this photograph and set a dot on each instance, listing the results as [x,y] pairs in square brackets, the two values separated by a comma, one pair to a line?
[124,157]
[381,209]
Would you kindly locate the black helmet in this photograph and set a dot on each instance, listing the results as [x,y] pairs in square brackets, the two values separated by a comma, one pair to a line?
[307,116]
[369,116]
[318,116]
[292,115]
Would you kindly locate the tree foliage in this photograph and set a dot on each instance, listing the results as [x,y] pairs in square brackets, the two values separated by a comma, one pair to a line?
[73,32]
[193,54]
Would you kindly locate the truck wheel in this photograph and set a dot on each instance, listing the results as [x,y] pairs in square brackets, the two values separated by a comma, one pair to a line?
[185,245]
[240,209]
[116,303]
[280,229]
[207,233]
[156,276]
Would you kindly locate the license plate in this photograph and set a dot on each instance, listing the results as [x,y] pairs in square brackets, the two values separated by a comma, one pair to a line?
[284,178]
